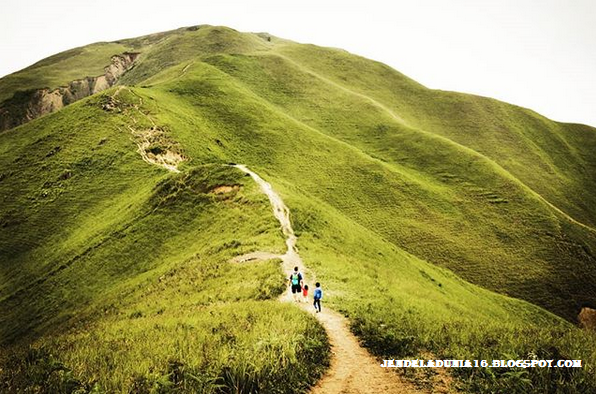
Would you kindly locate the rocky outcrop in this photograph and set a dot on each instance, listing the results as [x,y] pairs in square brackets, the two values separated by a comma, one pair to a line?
[28,105]
[587,318]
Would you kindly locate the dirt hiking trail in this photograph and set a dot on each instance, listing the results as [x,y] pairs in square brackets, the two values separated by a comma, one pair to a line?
[353,370]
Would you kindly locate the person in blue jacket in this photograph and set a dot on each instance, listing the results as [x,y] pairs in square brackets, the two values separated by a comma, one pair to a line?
[318,295]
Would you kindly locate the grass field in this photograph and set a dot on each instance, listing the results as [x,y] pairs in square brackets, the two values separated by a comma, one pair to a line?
[440,223]
[60,69]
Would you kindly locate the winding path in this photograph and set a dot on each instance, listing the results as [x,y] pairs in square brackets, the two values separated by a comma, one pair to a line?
[353,370]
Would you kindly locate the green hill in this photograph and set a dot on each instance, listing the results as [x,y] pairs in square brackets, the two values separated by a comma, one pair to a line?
[439,223]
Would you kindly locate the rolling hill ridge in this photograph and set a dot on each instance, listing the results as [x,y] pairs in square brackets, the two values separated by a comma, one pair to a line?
[439,223]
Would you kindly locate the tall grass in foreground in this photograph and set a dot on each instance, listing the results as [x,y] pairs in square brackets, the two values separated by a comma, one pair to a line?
[241,347]
[192,321]
[404,334]
[167,339]
[403,308]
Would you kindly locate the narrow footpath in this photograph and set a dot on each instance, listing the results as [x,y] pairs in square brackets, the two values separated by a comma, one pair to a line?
[353,369]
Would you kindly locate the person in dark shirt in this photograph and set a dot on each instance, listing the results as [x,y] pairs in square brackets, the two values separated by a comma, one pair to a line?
[296,283]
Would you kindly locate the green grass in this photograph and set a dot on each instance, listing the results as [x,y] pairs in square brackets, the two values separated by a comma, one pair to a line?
[139,249]
[60,69]
[403,308]
[547,156]
[422,213]
[438,200]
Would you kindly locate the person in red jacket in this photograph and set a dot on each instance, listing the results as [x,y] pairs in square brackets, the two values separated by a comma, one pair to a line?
[305,293]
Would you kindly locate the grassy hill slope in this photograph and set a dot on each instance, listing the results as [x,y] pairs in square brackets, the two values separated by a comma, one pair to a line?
[61,68]
[386,180]
[429,195]
[119,251]
[552,158]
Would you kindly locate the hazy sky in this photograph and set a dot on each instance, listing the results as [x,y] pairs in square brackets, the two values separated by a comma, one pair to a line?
[539,54]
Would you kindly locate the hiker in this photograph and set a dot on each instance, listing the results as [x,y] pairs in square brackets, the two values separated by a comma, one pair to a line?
[305,293]
[296,283]
[318,295]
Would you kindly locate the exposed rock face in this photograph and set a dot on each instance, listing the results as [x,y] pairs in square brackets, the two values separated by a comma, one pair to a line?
[28,105]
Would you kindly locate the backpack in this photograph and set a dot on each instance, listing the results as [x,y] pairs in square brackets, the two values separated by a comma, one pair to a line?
[295,279]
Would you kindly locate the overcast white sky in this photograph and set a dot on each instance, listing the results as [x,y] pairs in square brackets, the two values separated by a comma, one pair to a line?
[539,54]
